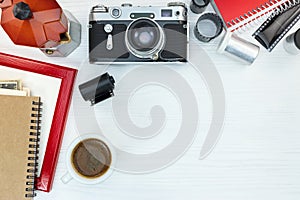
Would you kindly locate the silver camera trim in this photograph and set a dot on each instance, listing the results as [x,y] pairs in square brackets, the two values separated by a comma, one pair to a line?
[103,13]
[153,53]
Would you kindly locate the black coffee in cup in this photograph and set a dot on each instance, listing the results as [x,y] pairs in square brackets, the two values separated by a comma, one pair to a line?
[91,158]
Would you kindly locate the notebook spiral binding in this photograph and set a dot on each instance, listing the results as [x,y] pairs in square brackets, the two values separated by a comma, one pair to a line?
[33,149]
[253,16]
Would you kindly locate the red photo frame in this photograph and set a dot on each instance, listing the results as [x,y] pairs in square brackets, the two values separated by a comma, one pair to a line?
[67,76]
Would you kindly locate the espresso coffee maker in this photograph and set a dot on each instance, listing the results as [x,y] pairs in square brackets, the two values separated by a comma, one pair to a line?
[42,24]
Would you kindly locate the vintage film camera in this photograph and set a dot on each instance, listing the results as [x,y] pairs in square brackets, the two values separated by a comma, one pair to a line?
[138,34]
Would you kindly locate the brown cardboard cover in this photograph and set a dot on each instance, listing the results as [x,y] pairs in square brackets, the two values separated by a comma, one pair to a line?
[15,123]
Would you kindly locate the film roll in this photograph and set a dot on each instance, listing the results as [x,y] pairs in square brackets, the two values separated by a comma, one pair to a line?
[98,89]
[238,48]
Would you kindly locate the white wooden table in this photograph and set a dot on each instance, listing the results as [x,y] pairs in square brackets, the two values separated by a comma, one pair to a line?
[257,157]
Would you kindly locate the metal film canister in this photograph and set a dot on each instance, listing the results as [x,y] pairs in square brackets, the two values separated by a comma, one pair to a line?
[98,89]
[292,43]
[238,48]
[199,6]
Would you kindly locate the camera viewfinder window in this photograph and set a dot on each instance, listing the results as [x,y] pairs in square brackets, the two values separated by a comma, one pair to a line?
[166,13]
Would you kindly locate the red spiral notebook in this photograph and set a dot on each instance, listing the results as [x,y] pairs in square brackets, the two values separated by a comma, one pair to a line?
[54,84]
[238,13]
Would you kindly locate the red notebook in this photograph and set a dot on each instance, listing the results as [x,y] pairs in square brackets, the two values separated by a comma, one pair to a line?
[238,13]
[39,75]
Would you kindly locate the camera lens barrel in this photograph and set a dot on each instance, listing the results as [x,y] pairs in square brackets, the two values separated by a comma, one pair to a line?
[144,35]
[208,27]
[144,38]
[199,6]
[292,43]
[98,89]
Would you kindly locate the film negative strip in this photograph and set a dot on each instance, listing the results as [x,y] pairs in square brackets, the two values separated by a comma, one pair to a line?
[278,24]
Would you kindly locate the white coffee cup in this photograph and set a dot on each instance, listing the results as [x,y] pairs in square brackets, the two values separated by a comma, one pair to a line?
[73,173]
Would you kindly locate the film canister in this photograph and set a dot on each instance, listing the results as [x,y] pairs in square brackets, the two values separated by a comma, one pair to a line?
[98,89]
[238,48]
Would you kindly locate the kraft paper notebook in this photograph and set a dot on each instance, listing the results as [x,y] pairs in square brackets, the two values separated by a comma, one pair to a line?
[54,84]
[19,137]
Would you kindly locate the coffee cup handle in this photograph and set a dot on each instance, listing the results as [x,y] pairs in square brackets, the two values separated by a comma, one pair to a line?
[66,178]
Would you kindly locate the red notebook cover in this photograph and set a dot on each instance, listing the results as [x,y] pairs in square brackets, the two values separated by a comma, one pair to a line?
[237,13]
[67,76]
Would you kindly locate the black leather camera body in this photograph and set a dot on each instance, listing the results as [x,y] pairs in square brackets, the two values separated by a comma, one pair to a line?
[138,34]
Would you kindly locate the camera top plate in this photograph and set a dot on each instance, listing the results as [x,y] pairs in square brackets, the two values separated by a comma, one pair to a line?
[126,12]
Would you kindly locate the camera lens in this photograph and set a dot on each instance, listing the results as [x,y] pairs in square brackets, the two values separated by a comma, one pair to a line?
[200,2]
[198,6]
[144,37]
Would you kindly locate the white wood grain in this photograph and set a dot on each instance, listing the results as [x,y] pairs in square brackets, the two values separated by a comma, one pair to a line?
[258,156]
